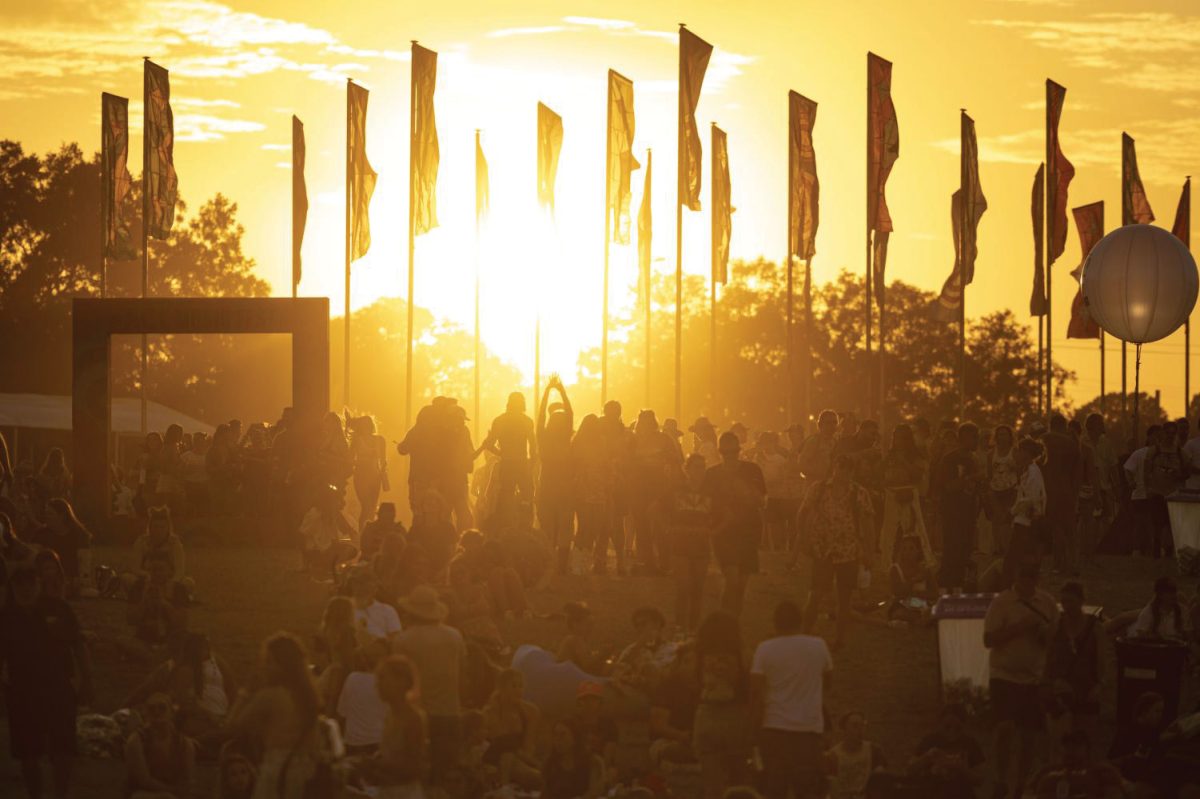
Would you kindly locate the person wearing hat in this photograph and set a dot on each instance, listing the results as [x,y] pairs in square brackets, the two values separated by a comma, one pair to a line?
[739,493]
[704,441]
[671,428]
[438,652]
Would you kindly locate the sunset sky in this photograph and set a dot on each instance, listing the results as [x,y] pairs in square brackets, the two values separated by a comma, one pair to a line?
[239,70]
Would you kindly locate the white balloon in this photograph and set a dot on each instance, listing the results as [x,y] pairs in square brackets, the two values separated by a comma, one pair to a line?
[1139,283]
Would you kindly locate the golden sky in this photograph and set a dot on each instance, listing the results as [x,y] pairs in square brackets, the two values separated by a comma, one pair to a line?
[239,70]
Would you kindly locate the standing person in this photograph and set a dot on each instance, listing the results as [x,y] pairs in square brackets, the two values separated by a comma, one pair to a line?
[54,478]
[956,483]
[1028,510]
[816,454]
[194,474]
[671,428]
[438,652]
[1073,666]
[1017,632]
[149,466]
[556,508]
[903,474]
[512,439]
[653,477]
[720,732]
[837,518]
[690,531]
[704,441]
[788,678]
[1002,477]
[48,674]
[618,444]
[1191,456]
[369,453]
[66,536]
[594,480]
[738,491]
[1135,475]
[1098,489]
[1165,473]
[781,508]
[325,534]
[403,760]
[1062,472]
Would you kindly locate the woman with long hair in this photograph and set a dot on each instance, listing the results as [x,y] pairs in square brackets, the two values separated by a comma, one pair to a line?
[369,453]
[334,648]
[903,473]
[593,480]
[403,759]
[64,534]
[283,717]
[1002,479]
[334,462]
[149,466]
[556,507]
[656,470]
[510,726]
[202,687]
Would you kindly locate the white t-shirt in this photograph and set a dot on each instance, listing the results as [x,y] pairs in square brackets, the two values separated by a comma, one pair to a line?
[1031,497]
[378,620]
[212,696]
[1191,459]
[359,704]
[1136,468]
[794,669]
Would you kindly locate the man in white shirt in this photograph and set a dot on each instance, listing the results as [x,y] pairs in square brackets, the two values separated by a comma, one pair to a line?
[1028,508]
[1135,473]
[370,615]
[788,678]
[359,706]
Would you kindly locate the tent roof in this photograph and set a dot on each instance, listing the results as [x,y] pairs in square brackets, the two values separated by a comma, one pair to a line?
[53,412]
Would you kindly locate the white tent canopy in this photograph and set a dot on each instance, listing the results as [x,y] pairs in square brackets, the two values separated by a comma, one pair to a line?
[53,412]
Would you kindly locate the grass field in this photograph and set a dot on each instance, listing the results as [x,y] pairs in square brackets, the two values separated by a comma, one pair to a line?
[246,594]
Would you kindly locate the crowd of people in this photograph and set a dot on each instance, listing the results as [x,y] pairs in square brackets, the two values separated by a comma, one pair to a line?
[408,687]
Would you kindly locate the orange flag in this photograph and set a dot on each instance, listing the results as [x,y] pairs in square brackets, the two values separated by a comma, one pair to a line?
[425,154]
[115,178]
[722,210]
[621,162]
[1135,206]
[1089,221]
[804,189]
[1059,173]
[694,53]
[361,176]
[161,182]
[549,145]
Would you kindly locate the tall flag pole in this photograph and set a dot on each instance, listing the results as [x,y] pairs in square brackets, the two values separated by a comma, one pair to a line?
[1037,299]
[645,235]
[883,148]
[1059,173]
[1183,231]
[1135,209]
[619,164]
[160,185]
[804,191]
[1089,222]
[482,204]
[694,54]
[722,229]
[549,146]
[360,185]
[423,159]
[115,183]
[299,199]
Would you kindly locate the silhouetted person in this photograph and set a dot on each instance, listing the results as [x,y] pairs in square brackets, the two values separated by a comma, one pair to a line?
[654,473]
[739,494]
[956,484]
[556,480]
[1062,472]
[512,438]
[370,466]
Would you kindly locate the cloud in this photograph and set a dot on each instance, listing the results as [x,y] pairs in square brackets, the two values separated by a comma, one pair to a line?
[503,33]
[279,147]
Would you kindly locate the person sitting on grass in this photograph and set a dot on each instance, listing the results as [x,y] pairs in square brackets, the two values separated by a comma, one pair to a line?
[1163,616]
[597,728]
[371,616]
[160,761]
[159,615]
[237,775]
[325,535]
[914,583]
[571,771]
[358,706]
[641,665]
[65,536]
[949,757]
[203,688]
[1078,775]
[576,646]
[334,648]
[510,724]
[853,760]
[159,538]
[379,530]
[403,759]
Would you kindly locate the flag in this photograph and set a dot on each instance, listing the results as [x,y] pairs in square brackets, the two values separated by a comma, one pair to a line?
[482,193]
[299,197]
[1059,173]
[722,208]
[361,176]
[1089,221]
[425,155]
[1182,229]
[884,136]
[115,177]
[804,189]
[549,144]
[879,248]
[1135,207]
[621,162]
[694,53]
[645,235]
[1037,300]
[161,183]
[967,207]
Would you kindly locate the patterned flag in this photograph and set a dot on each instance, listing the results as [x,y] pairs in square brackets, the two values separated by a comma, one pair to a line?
[1059,173]
[1182,229]
[804,190]
[161,183]
[879,249]
[1135,207]
[621,162]
[115,177]
[1037,300]
[299,197]
[645,235]
[722,210]
[967,206]
[1089,221]
[483,198]
[549,144]
[425,155]
[884,133]
[362,177]
[694,53]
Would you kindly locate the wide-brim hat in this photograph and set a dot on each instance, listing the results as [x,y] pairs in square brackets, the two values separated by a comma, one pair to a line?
[423,603]
[671,427]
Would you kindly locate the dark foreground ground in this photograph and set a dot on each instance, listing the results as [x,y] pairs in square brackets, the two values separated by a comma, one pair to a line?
[247,594]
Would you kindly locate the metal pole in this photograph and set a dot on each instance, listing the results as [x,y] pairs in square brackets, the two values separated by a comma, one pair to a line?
[607,217]
[1126,219]
[712,277]
[679,241]
[963,255]
[1103,396]
[477,240]
[869,273]
[346,309]
[105,178]
[145,234]
[808,330]
[1049,237]
[791,373]
[412,242]
[648,290]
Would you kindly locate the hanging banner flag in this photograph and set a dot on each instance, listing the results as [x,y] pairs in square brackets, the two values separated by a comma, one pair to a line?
[884,132]
[694,53]
[482,192]
[161,182]
[645,235]
[115,178]
[1182,229]
[1089,221]
[299,197]
[804,190]
[549,144]
[1037,207]
[1059,173]
[362,177]
[1135,206]
[425,154]
[722,210]
[967,206]
[621,162]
